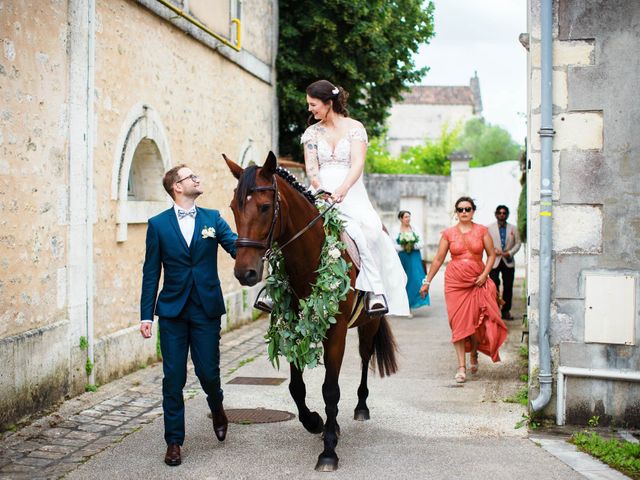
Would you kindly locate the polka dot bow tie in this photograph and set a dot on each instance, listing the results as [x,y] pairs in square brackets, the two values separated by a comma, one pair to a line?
[184,213]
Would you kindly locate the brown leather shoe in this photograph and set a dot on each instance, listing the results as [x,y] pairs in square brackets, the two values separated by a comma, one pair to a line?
[220,423]
[172,457]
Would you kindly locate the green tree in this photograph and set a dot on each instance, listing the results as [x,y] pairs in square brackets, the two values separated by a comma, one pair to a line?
[366,46]
[432,157]
[488,144]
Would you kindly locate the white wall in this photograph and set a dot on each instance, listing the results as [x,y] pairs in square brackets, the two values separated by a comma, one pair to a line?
[498,184]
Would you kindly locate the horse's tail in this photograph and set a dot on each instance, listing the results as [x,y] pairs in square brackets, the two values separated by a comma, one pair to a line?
[384,349]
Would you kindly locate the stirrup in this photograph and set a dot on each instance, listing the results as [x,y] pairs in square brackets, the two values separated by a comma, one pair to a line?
[263,301]
[376,304]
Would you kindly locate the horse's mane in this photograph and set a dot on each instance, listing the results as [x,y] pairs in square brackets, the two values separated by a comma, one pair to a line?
[247,182]
[290,178]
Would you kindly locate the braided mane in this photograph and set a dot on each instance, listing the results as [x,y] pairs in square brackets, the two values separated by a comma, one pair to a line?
[247,183]
[290,178]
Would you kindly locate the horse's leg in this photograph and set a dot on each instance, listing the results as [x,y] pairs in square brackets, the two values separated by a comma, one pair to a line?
[366,335]
[312,421]
[333,354]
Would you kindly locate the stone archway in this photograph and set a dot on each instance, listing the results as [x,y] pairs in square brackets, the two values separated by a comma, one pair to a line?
[141,154]
[248,154]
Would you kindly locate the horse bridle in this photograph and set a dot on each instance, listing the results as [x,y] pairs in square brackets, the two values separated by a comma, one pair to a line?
[243,242]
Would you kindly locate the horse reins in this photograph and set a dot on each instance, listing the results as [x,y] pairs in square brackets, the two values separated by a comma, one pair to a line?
[243,242]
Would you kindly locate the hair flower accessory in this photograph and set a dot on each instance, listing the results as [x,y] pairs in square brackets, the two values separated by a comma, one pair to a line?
[335,91]
[208,232]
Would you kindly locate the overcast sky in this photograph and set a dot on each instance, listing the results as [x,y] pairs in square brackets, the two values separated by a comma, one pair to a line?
[482,36]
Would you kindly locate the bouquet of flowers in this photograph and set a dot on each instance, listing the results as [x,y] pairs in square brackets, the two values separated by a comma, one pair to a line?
[407,240]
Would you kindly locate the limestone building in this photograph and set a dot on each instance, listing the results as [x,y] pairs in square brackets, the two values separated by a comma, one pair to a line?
[424,110]
[99,98]
[590,195]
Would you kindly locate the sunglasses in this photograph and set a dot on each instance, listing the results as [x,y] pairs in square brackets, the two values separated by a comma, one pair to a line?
[463,209]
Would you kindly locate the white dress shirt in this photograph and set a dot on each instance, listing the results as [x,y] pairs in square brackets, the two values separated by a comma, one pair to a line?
[187,224]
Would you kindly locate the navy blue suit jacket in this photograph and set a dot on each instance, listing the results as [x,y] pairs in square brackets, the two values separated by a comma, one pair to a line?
[184,267]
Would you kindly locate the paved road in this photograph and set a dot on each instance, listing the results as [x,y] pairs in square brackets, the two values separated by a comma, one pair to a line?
[423,425]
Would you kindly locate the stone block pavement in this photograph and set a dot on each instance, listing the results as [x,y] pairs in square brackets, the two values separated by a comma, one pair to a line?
[58,443]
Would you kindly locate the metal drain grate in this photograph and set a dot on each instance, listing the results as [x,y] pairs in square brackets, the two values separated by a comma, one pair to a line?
[256,380]
[248,416]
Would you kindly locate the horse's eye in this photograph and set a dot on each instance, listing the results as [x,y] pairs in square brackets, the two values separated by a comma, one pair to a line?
[265,208]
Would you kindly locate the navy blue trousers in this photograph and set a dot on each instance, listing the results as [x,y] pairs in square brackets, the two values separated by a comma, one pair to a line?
[192,329]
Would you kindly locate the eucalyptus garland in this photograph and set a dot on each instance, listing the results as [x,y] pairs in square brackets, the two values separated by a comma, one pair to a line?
[298,335]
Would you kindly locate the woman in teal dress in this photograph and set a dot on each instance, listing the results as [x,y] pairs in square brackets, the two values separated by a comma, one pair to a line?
[408,245]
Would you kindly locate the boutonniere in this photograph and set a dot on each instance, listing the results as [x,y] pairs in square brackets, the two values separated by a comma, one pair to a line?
[208,232]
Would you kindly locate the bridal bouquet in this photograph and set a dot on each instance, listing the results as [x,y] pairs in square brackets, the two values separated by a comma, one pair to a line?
[407,240]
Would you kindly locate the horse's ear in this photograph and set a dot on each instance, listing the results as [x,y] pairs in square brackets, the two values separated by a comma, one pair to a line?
[236,169]
[270,165]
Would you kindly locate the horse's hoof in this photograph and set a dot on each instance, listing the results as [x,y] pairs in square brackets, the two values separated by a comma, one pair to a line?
[315,423]
[361,415]
[327,464]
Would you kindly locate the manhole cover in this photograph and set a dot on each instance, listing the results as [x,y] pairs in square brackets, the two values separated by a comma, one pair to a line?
[257,415]
[257,380]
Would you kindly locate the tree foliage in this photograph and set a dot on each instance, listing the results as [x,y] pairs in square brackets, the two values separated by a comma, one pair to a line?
[432,157]
[366,46]
[488,144]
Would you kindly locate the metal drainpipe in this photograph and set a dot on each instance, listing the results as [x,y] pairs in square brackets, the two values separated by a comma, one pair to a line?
[546,191]
[91,51]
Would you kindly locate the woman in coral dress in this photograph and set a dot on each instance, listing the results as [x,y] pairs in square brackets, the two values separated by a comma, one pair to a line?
[474,315]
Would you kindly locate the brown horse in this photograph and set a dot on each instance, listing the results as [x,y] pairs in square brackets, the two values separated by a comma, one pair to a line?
[268,208]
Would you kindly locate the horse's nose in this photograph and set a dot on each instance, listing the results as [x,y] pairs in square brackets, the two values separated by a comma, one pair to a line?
[249,277]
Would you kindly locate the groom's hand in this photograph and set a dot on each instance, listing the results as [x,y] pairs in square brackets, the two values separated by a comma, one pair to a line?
[145,329]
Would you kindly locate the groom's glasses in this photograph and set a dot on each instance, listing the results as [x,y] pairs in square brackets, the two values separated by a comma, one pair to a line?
[463,209]
[194,178]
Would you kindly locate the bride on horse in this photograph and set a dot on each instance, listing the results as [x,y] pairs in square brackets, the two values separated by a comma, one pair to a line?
[335,148]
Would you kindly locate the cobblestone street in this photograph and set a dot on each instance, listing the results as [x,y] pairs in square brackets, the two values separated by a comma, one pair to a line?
[58,443]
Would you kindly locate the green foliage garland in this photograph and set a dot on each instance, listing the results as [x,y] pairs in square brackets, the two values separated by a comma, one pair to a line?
[298,335]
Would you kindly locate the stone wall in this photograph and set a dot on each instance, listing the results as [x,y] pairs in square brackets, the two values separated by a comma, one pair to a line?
[595,192]
[95,94]
[432,194]
[430,198]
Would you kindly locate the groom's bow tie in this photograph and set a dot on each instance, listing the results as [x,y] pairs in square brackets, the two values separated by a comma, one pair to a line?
[184,213]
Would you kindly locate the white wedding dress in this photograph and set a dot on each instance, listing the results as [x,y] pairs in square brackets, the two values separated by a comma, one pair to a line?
[381,271]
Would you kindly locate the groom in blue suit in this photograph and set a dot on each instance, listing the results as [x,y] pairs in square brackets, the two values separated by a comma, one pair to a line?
[183,241]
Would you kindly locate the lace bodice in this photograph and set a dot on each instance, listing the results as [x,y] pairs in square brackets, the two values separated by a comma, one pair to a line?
[319,150]
[466,245]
